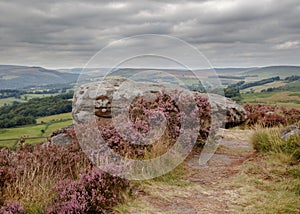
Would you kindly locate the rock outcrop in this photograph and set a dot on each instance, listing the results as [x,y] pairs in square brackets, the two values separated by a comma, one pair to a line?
[287,132]
[62,139]
[97,99]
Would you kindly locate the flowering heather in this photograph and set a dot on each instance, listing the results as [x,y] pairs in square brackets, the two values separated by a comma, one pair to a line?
[94,192]
[29,174]
[144,113]
[61,179]
[12,207]
[269,116]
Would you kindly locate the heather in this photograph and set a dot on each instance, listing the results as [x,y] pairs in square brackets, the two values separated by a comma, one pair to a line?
[60,179]
[269,116]
[165,116]
[12,207]
[39,178]
[95,192]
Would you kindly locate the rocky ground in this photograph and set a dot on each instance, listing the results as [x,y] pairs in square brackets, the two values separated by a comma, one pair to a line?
[204,189]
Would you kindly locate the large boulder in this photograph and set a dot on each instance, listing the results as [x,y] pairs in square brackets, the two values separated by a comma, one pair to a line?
[97,99]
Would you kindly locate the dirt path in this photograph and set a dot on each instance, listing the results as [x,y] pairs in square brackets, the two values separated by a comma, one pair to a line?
[203,189]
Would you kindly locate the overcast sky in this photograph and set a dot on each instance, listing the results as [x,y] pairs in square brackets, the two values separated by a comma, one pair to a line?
[61,34]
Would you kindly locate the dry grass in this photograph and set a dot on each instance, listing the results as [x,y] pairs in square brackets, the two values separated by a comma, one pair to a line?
[268,186]
[269,183]
[34,192]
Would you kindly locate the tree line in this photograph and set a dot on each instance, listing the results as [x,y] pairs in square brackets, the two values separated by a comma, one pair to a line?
[27,113]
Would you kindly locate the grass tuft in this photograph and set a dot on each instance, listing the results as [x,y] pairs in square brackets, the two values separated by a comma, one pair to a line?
[268,140]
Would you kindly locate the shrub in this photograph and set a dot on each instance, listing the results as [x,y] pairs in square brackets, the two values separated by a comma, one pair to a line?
[38,176]
[29,174]
[145,112]
[12,207]
[269,116]
[94,192]
[268,140]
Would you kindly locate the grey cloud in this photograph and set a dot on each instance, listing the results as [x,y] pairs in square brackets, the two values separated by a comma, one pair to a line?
[68,33]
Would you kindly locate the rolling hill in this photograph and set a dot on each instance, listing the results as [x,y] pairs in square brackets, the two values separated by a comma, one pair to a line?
[15,77]
[12,76]
[272,71]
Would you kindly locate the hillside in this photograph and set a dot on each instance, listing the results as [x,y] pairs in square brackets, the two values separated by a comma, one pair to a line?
[271,71]
[12,76]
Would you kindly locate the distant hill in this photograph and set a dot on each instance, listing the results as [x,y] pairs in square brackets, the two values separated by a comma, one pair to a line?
[15,77]
[271,71]
[235,70]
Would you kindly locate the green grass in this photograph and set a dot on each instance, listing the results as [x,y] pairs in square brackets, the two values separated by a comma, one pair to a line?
[51,123]
[31,131]
[294,86]
[275,84]
[268,140]
[9,101]
[56,117]
[288,99]
[295,95]
[31,96]
[56,126]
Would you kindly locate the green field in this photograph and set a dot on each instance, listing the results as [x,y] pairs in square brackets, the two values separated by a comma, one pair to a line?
[24,98]
[51,123]
[57,117]
[10,100]
[288,99]
[31,96]
[265,86]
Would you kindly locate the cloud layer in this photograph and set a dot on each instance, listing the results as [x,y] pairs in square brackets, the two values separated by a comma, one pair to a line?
[228,32]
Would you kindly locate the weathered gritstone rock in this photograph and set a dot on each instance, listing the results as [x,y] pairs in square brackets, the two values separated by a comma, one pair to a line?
[235,114]
[62,139]
[287,132]
[98,99]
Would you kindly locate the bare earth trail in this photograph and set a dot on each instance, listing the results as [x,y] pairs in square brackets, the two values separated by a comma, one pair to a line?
[204,189]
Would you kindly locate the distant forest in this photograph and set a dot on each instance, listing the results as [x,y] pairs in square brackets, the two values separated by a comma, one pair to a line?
[26,113]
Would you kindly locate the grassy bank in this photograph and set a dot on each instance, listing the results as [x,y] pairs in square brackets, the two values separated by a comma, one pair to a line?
[270,182]
[288,99]
[44,127]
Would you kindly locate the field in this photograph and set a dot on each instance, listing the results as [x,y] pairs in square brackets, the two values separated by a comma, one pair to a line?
[23,99]
[10,100]
[50,124]
[287,98]
[57,117]
[265,86]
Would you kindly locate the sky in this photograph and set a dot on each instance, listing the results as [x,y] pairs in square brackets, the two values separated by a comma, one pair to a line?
[229,33]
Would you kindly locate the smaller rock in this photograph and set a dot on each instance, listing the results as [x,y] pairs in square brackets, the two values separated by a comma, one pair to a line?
[290,130]
[61,139]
